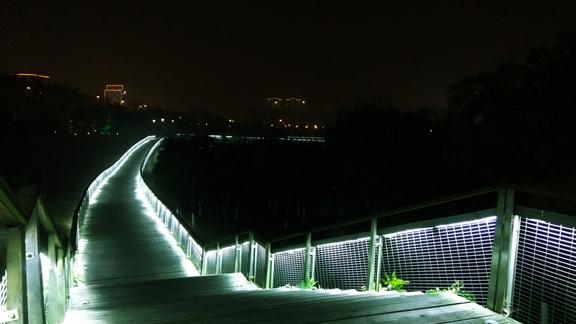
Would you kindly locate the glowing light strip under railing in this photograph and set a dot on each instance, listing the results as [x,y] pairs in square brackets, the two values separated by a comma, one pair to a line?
[96,185]
[481,220]
[171,233]
[183,238]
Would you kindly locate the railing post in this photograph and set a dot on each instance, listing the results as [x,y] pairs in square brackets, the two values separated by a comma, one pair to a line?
[16,270]
[204,263]
[252,268]
[503,253]
[61,282]
[370,282]
[34,286]
[379,261]
[53,291]
[309,265]
[237,256]
[269,266]
[218,269]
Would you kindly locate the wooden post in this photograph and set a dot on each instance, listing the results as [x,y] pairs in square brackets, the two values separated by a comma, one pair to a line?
[252,268]
[61,283]
[53,291]
[237,256]
[34,272]
[502,252]
[204,263]
[16,269]
[218,269]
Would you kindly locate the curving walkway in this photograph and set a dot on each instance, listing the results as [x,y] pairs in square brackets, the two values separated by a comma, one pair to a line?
[132,271]
[122,241]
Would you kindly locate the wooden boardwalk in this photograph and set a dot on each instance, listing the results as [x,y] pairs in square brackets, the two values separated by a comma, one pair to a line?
[133,273]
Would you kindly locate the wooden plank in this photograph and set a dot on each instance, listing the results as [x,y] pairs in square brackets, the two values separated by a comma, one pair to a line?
[494,318]
[441,314]
[343,307]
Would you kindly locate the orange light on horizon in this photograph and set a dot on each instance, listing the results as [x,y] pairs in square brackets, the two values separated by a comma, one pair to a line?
[33,75]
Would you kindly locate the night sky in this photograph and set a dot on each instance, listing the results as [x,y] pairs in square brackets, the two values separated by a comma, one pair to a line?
[229,57]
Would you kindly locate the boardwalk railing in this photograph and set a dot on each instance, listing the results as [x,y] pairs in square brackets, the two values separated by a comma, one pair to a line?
[513,248]
[35,277]
[91,193]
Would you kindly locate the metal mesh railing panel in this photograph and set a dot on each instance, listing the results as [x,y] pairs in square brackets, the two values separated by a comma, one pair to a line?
[437,257]
[211,259]
[194,252]
[260,265]
[289,267]
[3,291]
[228,259]
[342,265]
[245,259]
[545,280]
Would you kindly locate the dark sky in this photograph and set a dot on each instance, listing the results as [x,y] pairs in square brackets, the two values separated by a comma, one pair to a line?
[227,57]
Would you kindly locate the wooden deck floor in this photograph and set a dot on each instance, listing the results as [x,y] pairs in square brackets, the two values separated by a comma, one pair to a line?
[134,274]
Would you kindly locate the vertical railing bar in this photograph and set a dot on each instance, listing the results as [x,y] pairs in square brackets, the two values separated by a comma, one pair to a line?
[371,255]
[269,266]
[501,253]
[379,262]
[308,259]
[237,255]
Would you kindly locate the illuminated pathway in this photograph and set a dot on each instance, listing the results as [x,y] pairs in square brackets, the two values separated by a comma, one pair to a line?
[131,271]
[122,243]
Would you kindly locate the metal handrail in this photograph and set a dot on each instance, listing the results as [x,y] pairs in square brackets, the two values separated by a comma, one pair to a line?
[90,189]
[184,224]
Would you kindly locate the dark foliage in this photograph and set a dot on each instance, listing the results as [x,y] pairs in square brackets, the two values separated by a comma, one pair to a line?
[512,125]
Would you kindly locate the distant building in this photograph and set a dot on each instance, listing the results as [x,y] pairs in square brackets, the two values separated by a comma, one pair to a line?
[114,94]
[274,103]
[294,103]
[285,104]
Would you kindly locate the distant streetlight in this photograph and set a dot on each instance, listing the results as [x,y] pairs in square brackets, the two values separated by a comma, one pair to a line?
[97,97]
[153,120]
[28,88]
[162,119]
[121,102]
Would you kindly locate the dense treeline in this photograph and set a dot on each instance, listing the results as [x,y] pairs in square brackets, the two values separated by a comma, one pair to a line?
[514,124]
